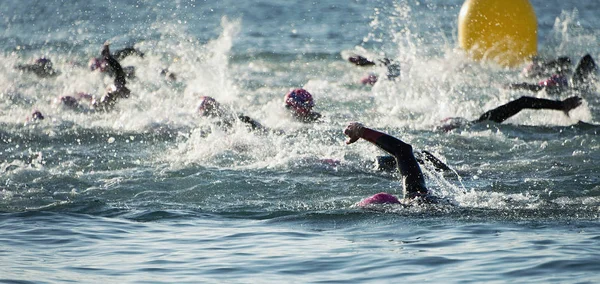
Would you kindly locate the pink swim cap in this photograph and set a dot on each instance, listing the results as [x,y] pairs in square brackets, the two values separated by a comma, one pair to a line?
[379,198]
[97,63]
[300,101]
[370,79]
[555,81]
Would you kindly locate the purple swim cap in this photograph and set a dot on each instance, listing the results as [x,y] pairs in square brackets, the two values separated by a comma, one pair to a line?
[379,198]
[300,100]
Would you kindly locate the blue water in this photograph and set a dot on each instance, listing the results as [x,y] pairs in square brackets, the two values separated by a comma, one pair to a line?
[152,193]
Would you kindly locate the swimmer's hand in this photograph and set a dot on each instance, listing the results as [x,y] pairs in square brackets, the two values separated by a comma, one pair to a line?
[354,131]
[570,103]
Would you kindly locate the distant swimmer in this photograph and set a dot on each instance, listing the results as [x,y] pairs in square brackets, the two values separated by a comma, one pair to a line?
[510,109]
[114,92]
[209,107]
[42,67]
[546,68]
[393,68]
[100,64]
[584,74]
[413,181]
[35,116]
[299,102]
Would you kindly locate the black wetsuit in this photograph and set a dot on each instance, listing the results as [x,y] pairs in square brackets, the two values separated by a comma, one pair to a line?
[505,111]
[108,101]
[388,163]
[412,177]
[586,68]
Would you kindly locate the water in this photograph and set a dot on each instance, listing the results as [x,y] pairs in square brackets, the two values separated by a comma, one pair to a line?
[153,193]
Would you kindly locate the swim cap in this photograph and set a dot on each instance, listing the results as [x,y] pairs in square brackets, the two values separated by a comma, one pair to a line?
[208,106]
[379,198]
[97,63]
[555,81]
[369,79]
[299,100]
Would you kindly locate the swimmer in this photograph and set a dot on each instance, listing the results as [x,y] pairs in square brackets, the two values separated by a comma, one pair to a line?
[35,116]
[540,68]
[300,103]
[393,68]
[504,112]
[114,92]
[102,65]
[42,67]
[209,107]
[413,182]
[559,82]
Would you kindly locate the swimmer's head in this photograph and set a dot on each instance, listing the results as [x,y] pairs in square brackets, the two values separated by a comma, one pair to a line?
[360,61]
[208,106]
[44,63]
[369,79]
[69,101]
[451,123]
[299,101]
[37,115]
[97,64]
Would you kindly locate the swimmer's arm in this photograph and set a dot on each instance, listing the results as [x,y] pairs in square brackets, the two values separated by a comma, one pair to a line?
[122,53]
[437,163]
[388,143]
[408,166]
[506,111]
[114,64]
[254,125]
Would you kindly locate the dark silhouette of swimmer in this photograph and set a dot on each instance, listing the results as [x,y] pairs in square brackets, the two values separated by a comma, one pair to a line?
[546,68]
[584,72]
[300,103]
[42,67]
[123,53]
[209,107]
[413,182]
[393,68]
[114,92]
[117,90]
[504,112]
[35,116]
[103,66]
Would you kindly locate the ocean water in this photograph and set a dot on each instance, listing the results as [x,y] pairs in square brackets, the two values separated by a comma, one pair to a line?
[153,193]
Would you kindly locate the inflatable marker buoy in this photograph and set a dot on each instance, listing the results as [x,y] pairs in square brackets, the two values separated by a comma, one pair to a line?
[502,31]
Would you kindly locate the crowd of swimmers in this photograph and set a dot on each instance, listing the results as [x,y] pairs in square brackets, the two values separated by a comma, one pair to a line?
[558,73]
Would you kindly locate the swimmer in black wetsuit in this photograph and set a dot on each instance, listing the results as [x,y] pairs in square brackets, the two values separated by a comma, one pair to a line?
[413,182]
[559,82]
[102,65]
[114,92]
[506,111]
[393,68]
[42,67]
[546,68]
[300,103]
[209,107]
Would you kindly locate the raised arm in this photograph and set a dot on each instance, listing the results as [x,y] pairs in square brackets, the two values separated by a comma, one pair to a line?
[506,111]
[114,64]
[412,177]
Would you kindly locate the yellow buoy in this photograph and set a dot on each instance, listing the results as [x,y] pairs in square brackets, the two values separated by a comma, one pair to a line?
[503,31]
